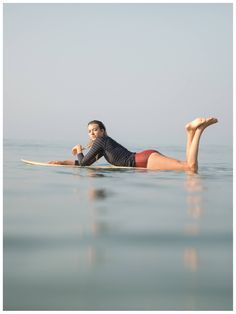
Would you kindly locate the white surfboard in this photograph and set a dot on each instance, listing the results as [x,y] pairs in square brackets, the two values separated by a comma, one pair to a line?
[37,163]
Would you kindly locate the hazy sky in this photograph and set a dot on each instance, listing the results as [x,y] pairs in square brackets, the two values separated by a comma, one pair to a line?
[143,69]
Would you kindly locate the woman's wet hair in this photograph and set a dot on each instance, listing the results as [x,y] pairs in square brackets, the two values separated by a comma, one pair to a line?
[100,124]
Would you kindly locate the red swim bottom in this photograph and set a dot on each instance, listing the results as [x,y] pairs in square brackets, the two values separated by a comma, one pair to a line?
[141,159]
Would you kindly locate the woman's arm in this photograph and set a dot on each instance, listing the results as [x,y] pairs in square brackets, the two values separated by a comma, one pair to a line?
[95,152]
[61,162]
[77,149]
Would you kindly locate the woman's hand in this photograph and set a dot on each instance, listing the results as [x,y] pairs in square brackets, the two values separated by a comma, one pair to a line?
[77,149]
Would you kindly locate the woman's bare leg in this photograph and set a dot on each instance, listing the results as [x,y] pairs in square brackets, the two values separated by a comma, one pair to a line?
[194,147]
[191,129]
[160,162]
[157,161]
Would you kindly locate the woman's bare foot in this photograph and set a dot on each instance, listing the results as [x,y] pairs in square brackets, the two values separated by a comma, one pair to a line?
[192,126]
[208,122]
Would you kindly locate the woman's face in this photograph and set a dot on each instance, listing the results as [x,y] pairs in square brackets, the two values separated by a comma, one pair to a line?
[94,131]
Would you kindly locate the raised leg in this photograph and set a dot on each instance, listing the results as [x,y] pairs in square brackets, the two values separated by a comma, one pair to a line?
[194,147]
[194,131]
[191,129]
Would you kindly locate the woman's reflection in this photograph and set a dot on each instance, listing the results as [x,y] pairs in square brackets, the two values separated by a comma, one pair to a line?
[195,211]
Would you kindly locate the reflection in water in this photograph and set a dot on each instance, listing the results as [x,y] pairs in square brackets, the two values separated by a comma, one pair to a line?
[195,210]
[194,198]
[193,183]
[191,259]
[97,194]
[97,227]
[94,174]
[192,230]
[95,256]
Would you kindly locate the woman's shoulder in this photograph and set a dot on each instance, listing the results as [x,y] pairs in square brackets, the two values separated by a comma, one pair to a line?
[101,139]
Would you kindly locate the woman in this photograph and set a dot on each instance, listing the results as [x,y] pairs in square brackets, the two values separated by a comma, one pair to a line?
[103,145]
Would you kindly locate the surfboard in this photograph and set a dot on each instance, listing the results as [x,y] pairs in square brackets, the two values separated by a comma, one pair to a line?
[38,163]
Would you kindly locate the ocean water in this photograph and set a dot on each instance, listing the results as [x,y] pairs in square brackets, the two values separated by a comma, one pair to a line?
[82,239]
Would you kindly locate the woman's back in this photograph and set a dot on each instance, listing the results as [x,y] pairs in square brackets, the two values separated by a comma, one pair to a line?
[113,152]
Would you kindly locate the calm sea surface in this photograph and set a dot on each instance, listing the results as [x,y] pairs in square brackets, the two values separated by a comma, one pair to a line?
[82,239]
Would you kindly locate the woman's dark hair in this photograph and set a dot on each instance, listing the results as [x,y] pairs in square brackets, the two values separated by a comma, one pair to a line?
[99,123]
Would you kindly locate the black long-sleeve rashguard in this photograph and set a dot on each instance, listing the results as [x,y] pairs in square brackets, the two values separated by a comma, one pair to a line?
[113,152]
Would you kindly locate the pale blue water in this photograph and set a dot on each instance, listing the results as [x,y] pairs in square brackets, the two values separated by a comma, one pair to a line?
[79,239]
